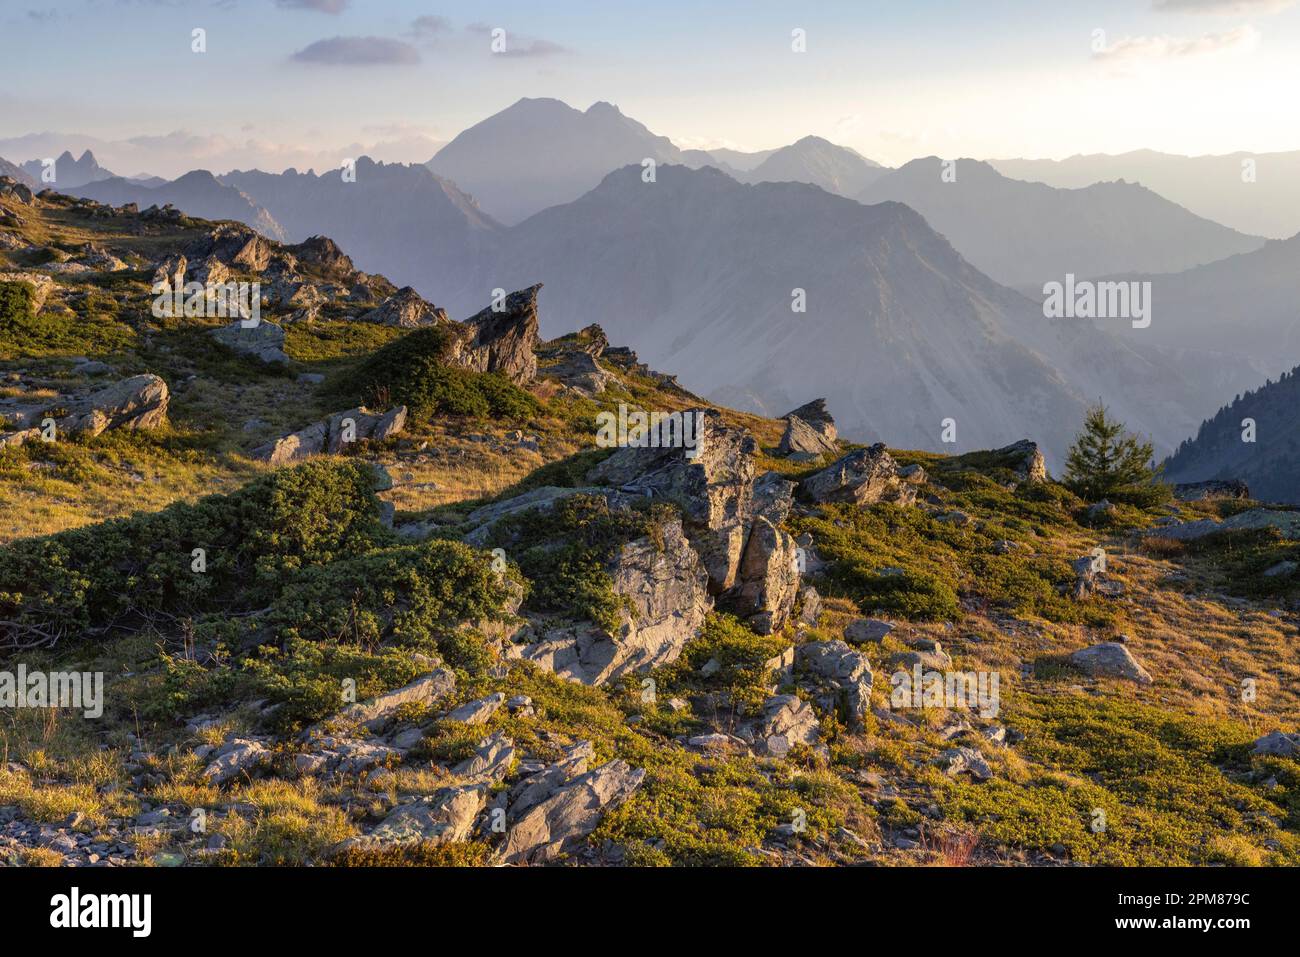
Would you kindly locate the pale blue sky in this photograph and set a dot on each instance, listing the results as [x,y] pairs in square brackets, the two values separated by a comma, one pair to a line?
[892,79]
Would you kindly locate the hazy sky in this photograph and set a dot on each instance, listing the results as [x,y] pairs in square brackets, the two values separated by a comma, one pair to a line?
[297,82]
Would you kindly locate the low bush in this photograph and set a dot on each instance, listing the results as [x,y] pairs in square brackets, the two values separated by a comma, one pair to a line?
[413,371]
[90,580]
[565,551]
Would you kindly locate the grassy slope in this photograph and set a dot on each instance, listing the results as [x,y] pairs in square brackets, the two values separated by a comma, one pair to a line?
[1167,764]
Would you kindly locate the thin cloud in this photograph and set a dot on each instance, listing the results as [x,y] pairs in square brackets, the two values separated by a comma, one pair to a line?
[358,51]
[320,6]
[429,26]
[1131,49]
[1235,8]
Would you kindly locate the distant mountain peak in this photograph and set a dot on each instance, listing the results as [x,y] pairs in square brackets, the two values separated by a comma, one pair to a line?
[542,152]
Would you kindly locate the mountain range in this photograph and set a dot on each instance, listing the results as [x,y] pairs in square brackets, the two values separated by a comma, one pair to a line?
[1255,438]
[1243,306]
[909,317]
[198,193]
[1025,234]
[1256,193]
[69,171]
[697,272]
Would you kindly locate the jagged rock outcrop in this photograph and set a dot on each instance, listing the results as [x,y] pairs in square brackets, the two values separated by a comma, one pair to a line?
[787,720]
[557,825]
[714,488]
[490,763]
[504,341]
[965,760]
[1278,743]
[1110,659]
[237,756]
[12,189]
[802,441]
[839,676]
[863,631]
[329,436]
[325,257]
[407,309]
[447,815]
[579,370]
[477,711]
[731,519]
[170,270]
[139,402]
[235,245]
[809,432]
[769,578]
[816,415]
[262,340]
[666,587]
[425,690]
[533,789]
[1087,569]
[1025,458]
[864,477]
[41,284]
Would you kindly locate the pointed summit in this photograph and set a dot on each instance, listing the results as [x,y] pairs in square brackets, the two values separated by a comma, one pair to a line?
[542,152]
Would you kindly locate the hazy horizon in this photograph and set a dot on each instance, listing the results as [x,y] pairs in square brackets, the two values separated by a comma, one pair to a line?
[395,80]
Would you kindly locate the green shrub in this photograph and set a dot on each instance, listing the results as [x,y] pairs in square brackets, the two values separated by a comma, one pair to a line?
[413,371]
[1168,784]
[305,678]
[96,331]
[90,580]
[15,305]
[904,561]
[411,595]
[741,653]
[187,687]
[565,551]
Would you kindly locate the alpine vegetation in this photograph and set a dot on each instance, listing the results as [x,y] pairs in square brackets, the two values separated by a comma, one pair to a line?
[377,493]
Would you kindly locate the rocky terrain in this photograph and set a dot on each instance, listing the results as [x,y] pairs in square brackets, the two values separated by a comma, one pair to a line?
[1027,234]
[366,587]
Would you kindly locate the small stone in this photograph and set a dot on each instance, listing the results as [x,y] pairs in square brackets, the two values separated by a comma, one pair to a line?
[867,630]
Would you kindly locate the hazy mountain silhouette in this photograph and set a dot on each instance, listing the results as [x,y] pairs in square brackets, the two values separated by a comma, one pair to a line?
[836,169]
[738,159]
[17,173]
[198,193]
[413,226]
[1026,234]
[1246,306]
[1210,186]
[696,272]
[70,172]
[542,152]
